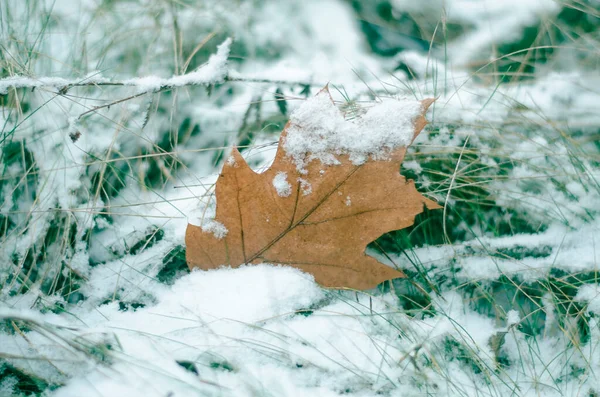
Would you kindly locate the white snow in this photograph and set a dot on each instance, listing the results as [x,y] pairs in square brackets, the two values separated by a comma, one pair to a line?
[305,186]
[512,317]
[27,82]
[213,72]
[215,227]
[21,314]
[241,327]
[7,386]
[281,184]
[249,320]
[318,131]
[492,22]
[590,294]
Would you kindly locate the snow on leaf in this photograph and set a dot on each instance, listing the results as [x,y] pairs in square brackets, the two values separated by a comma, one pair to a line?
[214,227]
[283,187]
[319,128]
[313,228]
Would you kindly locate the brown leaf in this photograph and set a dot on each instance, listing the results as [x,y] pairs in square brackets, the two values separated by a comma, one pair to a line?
[325,232]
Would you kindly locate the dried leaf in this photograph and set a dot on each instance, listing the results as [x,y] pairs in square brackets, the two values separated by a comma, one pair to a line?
[319,221]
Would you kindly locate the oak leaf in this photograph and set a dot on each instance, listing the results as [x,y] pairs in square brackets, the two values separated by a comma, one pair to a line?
[315,215]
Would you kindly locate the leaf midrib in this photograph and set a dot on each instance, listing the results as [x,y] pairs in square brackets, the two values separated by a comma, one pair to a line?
[293,224]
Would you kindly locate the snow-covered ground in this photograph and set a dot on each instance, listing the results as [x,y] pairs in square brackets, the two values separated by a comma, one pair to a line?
[96,193]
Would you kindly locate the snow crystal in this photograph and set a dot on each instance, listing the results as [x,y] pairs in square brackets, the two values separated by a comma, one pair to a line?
[282,186]
[319,131]
[214,227]
[348,201]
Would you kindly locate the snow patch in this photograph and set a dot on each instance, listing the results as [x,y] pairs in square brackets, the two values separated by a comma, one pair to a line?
[282,186]
[318,131]
[215,227]
[591,294]
[512,317]
[231,161]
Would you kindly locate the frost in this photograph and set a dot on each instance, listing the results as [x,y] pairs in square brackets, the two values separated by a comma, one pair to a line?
[282,186]
[318,131]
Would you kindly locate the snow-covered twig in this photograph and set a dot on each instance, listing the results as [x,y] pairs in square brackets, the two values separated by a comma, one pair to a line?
[63,85]
[215,71]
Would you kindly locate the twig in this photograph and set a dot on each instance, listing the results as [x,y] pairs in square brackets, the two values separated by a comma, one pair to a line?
[108,105]
[64,85]
[215,71]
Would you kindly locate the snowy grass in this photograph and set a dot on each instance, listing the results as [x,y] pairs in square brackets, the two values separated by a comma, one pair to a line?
[96,299]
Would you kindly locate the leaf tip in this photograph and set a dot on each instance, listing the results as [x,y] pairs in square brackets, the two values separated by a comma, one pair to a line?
[421,121]
[430,204]
[427,102]
[235,160]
